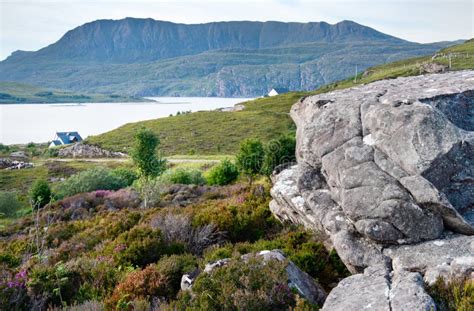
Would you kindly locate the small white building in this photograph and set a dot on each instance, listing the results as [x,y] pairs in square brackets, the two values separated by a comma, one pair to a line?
[65,138]
[277,91]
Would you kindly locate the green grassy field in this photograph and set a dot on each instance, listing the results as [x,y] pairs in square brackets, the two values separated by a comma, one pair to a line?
[19,93]
[214,133]
[211,132]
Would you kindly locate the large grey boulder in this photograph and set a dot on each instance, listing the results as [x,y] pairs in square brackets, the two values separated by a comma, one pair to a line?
[379,289]
[386,173]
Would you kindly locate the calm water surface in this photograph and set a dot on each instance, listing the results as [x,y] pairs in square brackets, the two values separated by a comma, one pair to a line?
[25,123]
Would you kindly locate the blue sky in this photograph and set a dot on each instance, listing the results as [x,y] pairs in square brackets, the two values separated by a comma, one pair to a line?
[33,24]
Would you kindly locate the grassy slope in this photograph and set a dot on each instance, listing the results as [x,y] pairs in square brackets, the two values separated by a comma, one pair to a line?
[19,93]
[265,118]
[210,132]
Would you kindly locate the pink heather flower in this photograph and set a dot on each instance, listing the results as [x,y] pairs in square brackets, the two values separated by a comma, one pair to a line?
[120,247]
[240,199]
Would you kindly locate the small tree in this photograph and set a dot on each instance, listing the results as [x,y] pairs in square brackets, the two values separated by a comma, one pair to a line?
[144,154]
[250,157]
[278,151]
[40,193]
[150,164]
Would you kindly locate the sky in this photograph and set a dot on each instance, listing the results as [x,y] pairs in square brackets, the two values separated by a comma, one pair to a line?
[32,24]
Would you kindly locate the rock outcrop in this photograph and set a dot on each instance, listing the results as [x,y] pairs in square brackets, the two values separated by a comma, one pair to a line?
[386,172]
[81,150]
[9,164]
[297,279]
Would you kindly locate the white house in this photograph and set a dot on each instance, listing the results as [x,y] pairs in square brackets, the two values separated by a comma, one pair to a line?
[65,138]
[277,91]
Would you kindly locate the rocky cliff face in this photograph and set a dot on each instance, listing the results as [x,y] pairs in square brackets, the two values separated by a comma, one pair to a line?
[145,57]
[142,40]
[386,172]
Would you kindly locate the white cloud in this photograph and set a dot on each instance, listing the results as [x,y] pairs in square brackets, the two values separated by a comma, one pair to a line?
[32,24]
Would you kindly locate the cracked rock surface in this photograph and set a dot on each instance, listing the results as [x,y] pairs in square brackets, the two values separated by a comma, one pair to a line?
[386,172]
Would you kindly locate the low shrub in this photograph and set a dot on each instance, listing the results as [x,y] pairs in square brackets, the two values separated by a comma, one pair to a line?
[150,191]
[223,174]
[9,260]
[247,219]
[140,284]
[139,246]
[178,228]
[55,285]
[97,178]
[40,193]
[173,267]
[455,295]
[183,176]
[51,152]
[251,285]
[9,204]
[60,232]
[98,277]
[95,231]
[13,291]
[300,246]
[277,152]
[128,176]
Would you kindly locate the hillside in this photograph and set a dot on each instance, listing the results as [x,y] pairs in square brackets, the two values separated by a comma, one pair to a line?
[265,118]
[145,57]
[20,93]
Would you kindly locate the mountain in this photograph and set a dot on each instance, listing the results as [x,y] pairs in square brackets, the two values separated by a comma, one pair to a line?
[146,57]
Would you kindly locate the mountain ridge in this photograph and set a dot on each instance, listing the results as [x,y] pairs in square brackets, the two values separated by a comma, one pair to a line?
[145,57]
[117,35]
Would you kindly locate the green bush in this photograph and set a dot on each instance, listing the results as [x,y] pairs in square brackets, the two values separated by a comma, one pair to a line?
[223,174]
[4,148]
[9,204]
[9,260]
[40,193]
[183,176]
[139,246]
[51,152]
[97,178]
[57,284]
[278,151]
[98,277]
[128,176]
[250,157]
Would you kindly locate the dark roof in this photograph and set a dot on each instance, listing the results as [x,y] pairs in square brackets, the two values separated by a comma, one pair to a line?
[281,90]
[69,137]
[56,142]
